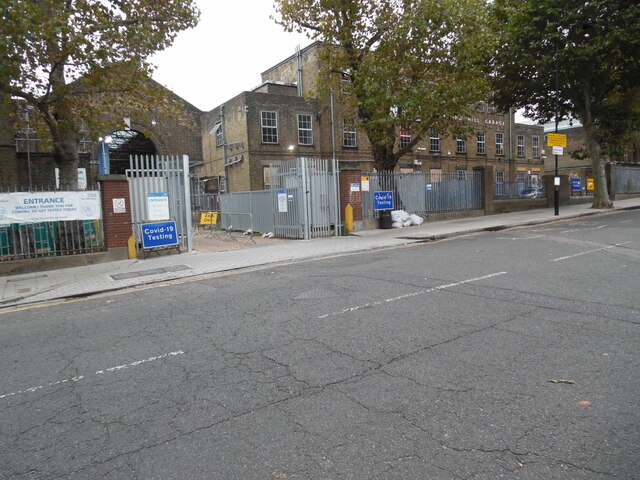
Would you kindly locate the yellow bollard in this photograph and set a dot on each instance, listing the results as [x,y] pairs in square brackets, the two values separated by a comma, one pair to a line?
[348,218]
[131,247]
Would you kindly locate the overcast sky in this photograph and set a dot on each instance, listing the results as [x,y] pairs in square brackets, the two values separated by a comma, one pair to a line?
[225,54]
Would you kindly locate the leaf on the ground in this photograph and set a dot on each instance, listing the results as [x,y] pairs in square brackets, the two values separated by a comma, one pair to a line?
[521,465]
[281,475]
[585,403]
[561,380]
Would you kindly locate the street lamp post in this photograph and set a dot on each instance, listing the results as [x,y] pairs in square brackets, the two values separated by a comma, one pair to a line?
[556,178]
[104,167]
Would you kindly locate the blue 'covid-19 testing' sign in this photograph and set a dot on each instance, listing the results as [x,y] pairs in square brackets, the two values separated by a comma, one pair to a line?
[383,200]
[160,234]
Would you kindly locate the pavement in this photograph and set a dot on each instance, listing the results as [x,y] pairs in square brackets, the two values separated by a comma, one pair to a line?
[42,286]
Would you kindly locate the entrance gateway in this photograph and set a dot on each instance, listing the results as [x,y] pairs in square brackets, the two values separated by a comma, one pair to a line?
[304,198]
[160,192]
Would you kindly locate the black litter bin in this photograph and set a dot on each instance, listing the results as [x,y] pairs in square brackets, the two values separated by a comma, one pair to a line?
[385,218]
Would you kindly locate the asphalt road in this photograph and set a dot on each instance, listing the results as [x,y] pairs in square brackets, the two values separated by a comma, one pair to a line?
[511,354]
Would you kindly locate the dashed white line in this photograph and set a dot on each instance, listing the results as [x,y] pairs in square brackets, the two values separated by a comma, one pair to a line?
[139,362]
[587,252]
[408,295]
[99,372]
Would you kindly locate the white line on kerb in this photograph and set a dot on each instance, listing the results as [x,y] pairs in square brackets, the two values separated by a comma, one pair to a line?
[588,251]
[99,372]
[408,295]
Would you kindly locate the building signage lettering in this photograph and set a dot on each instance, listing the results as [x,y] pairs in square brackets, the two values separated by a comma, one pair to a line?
[158,206]
[282,201]
[37,207]
[487,121]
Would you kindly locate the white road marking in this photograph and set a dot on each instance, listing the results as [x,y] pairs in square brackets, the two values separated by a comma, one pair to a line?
[408,295]
[99,372]
[588,251]
[139,362]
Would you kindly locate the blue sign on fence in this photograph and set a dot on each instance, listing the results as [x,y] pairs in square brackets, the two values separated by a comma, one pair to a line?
[383,201]
[160,234]
[576,184]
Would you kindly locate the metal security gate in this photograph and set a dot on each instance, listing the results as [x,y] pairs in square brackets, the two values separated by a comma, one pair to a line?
[305,201]
[162,174]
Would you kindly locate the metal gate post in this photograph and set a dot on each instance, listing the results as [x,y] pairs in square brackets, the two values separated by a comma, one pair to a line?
[305,197]
[187,201]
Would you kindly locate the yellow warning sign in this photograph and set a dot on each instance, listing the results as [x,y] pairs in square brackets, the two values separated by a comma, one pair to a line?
[591,185]
[209,218]
[556,140]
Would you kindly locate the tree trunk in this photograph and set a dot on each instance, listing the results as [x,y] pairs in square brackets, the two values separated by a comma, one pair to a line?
[61,120]
[383,158]
[601,194]
[65,154]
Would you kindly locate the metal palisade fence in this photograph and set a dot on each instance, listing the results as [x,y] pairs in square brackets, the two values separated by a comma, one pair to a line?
[301,203]
[28,233]
[425,193]
[305,201]
[627,179]
[167,174]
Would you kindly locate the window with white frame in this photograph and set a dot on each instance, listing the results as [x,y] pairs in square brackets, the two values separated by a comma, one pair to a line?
[305,129]
[461,145]
[491,107]
[535,145]
[434,140]
[345,83]
[269,127]
[481,143]
[499,181]
[480,107]
[349,133]
[217,130]
[461,173]
[405,138]
[499,143]
[520,146]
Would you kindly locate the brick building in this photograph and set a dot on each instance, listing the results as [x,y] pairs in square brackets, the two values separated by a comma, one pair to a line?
[26,159]
[287,117]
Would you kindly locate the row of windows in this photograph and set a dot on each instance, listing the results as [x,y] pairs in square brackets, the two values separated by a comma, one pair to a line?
[481,142]
[269,125]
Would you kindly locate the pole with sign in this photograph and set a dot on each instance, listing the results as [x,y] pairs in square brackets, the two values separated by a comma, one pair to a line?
[558,143]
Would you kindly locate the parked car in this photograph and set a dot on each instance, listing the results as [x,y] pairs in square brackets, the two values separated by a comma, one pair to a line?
[532,192]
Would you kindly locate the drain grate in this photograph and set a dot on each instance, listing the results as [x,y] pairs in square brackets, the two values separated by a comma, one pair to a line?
[146,273]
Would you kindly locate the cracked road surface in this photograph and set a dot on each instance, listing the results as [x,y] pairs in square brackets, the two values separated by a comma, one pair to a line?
[499,355]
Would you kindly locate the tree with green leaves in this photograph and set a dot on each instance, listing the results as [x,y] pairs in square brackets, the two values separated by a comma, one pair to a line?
[77,62]
[411,64]
[591,50]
